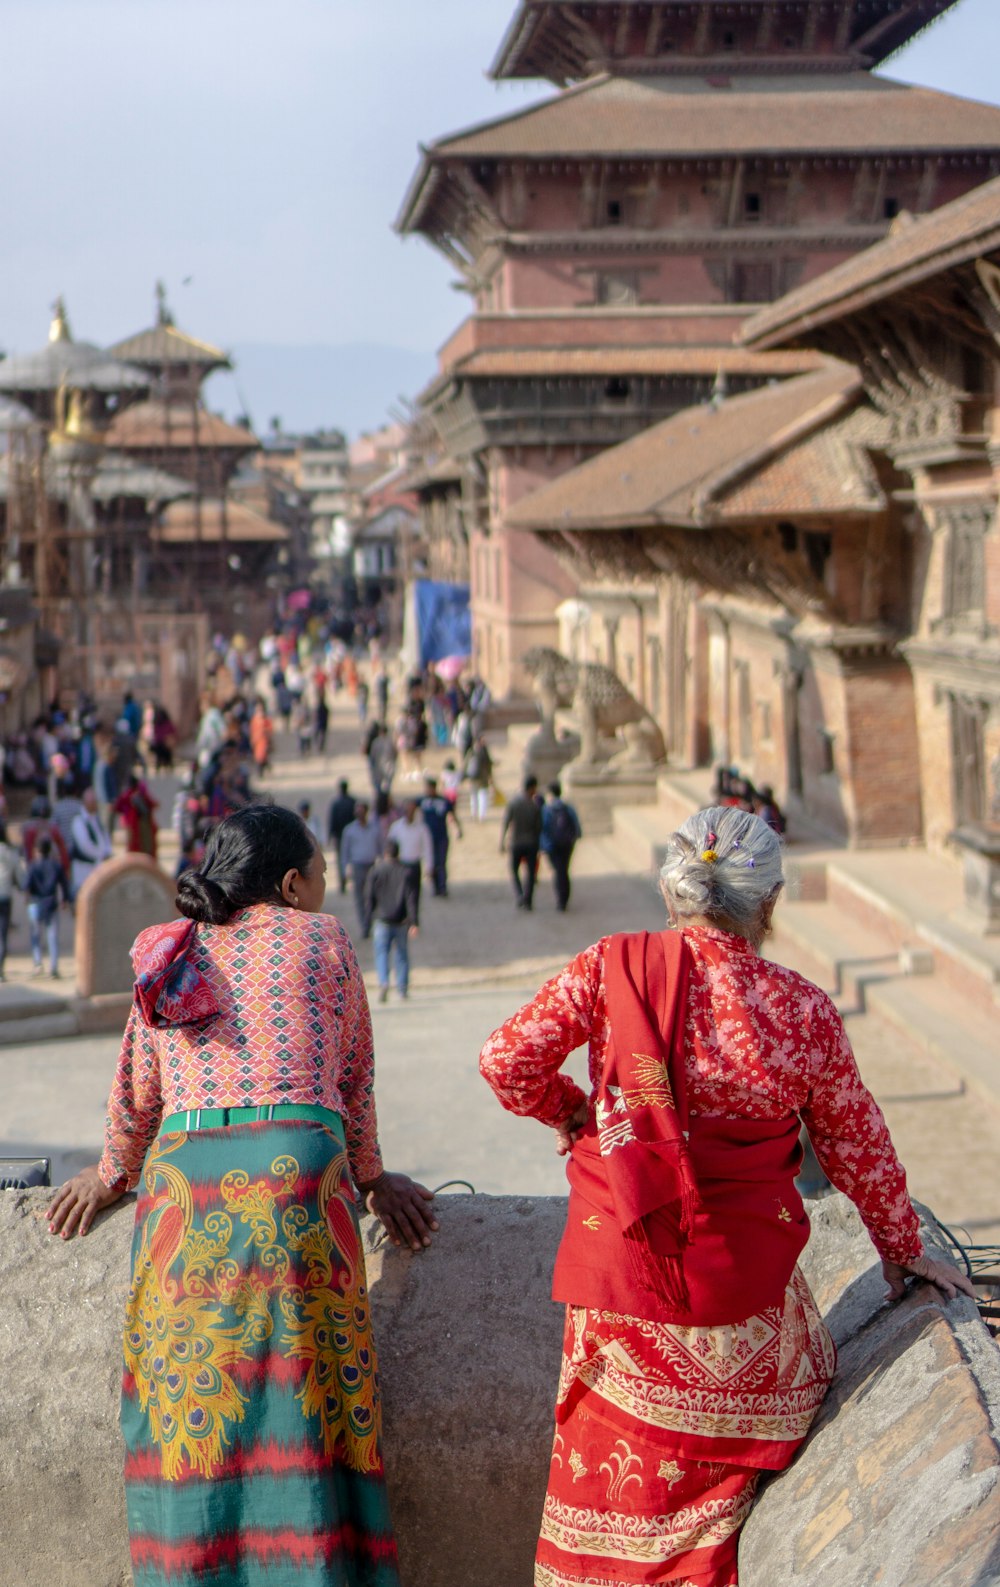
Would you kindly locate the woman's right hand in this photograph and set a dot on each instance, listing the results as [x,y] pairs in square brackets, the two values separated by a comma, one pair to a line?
[76,1204]
[570,1130]
[945,1277]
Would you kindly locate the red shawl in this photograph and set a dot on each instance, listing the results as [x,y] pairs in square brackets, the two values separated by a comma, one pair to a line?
[168,989]
[693,1221]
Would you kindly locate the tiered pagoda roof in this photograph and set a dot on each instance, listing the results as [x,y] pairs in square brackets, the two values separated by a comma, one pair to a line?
[163,346]
[158,424]
[569,42]
[684,119]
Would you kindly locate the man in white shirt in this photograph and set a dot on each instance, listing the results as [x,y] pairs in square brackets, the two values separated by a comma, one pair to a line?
[416,850]
[89,843]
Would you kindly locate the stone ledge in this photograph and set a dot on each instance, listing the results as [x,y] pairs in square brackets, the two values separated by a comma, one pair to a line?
[898,1483]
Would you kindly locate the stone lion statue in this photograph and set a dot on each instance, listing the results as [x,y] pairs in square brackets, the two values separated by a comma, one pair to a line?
[603,708]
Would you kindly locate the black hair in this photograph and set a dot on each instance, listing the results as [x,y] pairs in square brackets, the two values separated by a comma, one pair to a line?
[246,857]
[45,847]
[530,784]
[555,789]
[3,831]
[392,849]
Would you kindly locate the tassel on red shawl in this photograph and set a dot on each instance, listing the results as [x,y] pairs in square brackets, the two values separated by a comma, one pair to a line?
[641,1108]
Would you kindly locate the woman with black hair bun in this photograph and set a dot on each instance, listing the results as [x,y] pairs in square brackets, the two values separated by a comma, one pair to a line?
[243,1110]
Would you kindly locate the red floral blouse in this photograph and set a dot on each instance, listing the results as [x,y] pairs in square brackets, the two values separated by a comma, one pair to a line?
[293,1026]
[760,1042]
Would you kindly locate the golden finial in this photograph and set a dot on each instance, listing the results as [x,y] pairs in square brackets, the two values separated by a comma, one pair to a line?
[59,330]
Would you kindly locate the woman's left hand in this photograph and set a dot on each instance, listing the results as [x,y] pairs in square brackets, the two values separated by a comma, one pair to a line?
[400,1204]
[945,1277]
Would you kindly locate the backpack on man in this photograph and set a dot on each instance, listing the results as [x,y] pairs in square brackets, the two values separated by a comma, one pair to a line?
[562,827]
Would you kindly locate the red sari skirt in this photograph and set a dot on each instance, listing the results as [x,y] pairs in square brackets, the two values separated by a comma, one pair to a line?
[662,1433]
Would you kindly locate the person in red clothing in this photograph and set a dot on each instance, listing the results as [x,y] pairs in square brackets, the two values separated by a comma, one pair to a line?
[135,806]
[695,1357]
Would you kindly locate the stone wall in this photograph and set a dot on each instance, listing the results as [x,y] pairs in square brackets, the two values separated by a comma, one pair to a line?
[899,1484]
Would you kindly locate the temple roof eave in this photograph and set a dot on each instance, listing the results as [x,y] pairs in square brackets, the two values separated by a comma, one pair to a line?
[164,346]
[530,48]
[683,471]
[958,233]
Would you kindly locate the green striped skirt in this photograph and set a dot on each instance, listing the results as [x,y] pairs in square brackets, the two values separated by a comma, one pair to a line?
[250,1401]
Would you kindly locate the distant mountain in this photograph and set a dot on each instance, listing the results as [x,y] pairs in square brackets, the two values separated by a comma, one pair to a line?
[349,388]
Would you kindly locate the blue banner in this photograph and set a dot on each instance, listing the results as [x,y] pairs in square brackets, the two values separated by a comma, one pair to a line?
[444,623]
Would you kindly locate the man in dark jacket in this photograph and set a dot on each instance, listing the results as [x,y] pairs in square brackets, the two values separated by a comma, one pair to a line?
[45,884]
[392,900]
[561,831]
[339,817]
[523,820]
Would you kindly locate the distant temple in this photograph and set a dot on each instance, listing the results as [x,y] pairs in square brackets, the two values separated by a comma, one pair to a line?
[701,159]
[116,504]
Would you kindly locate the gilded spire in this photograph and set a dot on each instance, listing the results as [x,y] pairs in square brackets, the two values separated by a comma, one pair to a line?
[59,330]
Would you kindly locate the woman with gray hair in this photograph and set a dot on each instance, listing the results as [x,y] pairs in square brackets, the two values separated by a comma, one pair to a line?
[694,1356]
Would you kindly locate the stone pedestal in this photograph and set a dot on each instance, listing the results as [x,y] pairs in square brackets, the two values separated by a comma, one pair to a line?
[545,754]
[979,843]
[596,790]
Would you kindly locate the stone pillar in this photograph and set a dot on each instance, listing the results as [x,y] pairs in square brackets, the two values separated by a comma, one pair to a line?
[979,843]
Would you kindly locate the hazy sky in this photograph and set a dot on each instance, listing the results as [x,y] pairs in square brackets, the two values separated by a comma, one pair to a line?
[262,150]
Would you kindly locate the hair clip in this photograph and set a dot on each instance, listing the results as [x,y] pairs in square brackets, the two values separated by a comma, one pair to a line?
[709,856]
[750,864]
[711,839]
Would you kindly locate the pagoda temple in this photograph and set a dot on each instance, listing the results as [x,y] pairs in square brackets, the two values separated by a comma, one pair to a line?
[700,159]
[172,429]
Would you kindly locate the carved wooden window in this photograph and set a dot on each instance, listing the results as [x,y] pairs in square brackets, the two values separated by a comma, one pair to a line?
[965,562]
[968,758]
[752,281]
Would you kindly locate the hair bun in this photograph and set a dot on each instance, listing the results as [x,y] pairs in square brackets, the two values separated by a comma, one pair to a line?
[201,899]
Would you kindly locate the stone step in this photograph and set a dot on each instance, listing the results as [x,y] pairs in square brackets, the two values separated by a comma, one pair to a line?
[917,900]
[863,970]
[638,832]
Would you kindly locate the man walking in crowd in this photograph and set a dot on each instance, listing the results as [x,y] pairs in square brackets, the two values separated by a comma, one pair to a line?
[339,816]
[45,883]
[414,843]
[437,811]
[561,831]
[478,772]
[381,753]
[523,820]
[90,844]
[11,876]
[358,851]
[304,808]
[393,904]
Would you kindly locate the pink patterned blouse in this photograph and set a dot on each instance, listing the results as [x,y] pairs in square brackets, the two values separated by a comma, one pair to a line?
[293,1026]
[760,1042]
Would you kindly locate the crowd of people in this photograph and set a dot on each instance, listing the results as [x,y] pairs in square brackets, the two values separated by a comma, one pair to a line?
[81,777]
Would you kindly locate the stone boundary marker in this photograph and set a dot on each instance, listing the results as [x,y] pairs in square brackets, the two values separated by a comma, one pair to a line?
[120,899]
[898,1485]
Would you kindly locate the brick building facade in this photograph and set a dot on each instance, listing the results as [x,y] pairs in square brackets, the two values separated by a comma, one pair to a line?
[699,160]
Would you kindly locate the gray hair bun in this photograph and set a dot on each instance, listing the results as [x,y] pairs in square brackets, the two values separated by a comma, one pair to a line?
[724,863]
